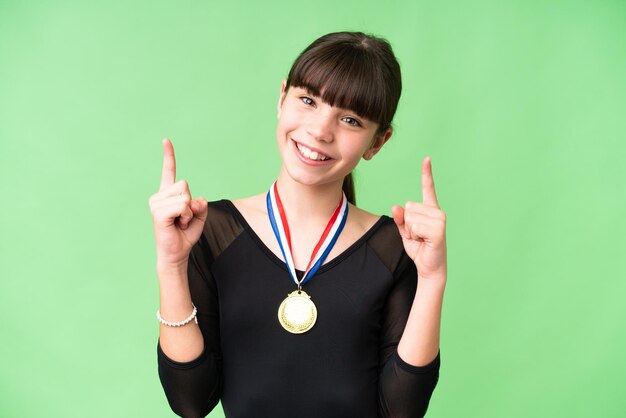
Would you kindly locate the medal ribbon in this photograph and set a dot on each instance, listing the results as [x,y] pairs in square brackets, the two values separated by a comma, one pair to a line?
[278,219]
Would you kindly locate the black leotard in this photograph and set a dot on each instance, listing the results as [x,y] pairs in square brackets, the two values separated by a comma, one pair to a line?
[345,366]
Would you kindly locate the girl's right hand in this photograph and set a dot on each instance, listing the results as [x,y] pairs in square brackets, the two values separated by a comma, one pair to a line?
[178,220]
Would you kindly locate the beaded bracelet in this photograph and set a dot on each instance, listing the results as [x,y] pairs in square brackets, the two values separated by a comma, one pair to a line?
[181,323]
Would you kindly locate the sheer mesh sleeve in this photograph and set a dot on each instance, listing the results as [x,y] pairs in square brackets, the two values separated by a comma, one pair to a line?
[194,388]
[404,390]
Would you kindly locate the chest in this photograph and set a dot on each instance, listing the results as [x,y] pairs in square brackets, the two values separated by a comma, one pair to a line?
[349,296]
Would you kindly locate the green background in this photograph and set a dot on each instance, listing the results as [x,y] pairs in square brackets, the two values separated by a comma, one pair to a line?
[520,104]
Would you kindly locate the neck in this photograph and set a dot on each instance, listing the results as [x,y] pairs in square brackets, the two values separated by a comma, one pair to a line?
[304,203]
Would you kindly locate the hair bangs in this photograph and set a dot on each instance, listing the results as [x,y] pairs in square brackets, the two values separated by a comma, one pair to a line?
[345,76]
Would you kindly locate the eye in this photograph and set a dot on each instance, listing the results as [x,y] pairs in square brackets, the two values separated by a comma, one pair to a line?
[352,121]
[307,100]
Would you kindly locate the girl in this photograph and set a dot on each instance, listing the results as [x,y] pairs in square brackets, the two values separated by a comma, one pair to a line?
[295,302]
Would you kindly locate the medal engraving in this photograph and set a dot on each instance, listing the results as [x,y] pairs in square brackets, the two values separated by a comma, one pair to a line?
[297,314]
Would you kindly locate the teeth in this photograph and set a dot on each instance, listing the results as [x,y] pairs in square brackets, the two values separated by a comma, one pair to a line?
[312,155]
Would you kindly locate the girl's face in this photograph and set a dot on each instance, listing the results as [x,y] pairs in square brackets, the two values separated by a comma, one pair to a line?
[320,143]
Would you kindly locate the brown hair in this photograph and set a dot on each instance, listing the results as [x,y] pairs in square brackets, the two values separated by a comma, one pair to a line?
[354,71]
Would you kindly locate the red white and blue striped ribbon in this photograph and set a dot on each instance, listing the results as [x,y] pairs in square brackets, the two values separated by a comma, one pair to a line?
[278,219]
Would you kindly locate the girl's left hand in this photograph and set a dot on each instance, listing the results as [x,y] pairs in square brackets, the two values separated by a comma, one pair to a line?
[423,229]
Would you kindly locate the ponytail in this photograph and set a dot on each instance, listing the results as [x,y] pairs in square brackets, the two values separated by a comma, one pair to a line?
[348,188]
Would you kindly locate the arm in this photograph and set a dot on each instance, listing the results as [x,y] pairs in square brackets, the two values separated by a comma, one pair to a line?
[405,389]
[184,343]
[422,227]
[420,341]
[189,357]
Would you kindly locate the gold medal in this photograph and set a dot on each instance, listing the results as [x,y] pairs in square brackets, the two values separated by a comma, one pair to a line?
[297,314]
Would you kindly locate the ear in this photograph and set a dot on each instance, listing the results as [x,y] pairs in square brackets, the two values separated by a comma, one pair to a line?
[379,141]
[281,98]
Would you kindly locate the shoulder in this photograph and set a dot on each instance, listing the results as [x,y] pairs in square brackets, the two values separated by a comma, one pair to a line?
[235,209]
[376,227]
[221,227]
[382,237]
[219,212]
[362,220]
[251,207]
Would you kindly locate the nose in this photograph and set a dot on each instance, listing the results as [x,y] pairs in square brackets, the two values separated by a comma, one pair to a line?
[320,126]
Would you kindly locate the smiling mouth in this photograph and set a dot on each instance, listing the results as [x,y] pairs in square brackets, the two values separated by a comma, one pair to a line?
[311,155]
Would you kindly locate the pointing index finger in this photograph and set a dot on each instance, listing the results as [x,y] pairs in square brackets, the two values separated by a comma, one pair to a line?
[168,175]
[428,185]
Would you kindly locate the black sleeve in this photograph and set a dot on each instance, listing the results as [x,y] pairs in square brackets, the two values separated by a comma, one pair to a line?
[193,388]
[404,390]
